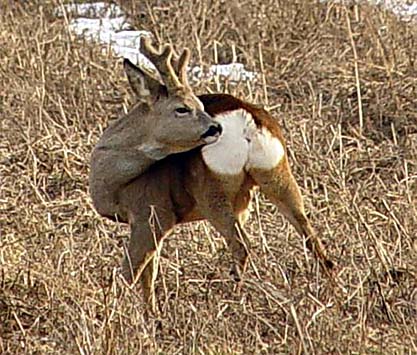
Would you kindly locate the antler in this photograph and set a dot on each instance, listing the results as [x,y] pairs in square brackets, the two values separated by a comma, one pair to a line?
[162,59]
[181,65]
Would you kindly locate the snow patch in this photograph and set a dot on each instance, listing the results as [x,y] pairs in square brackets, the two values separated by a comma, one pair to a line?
[233,72]
[112,32]
[94,10]
[106,24]
[405,9]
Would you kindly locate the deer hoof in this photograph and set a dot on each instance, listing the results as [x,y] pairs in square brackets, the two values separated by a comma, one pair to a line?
[329,265]
[235,273]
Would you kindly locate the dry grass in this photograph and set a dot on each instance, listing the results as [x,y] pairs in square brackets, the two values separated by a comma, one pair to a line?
[343,83]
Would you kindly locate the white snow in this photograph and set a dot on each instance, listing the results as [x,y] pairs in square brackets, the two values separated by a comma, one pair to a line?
[96,9]
[405,9]
[115,33]
[233,72]
[106,24]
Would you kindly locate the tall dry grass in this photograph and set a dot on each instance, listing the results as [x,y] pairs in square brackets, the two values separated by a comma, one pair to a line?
[342,81]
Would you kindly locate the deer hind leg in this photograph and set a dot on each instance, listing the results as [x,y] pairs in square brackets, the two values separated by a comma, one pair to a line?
[243,201]
[147,231]
[241,207]
[286,195]
[214,205]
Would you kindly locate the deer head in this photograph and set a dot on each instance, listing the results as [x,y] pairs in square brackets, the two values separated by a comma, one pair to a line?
[176,118]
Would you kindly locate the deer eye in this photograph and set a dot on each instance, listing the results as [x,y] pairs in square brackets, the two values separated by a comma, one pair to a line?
[182,110]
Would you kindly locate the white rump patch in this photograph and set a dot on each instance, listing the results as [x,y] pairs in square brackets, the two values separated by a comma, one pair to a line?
[265,152]
[242,146]
[229,154]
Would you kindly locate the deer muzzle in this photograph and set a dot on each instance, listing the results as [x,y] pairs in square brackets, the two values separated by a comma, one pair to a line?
[212,134]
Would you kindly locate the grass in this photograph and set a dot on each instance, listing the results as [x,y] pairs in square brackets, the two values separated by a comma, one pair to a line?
[342,81]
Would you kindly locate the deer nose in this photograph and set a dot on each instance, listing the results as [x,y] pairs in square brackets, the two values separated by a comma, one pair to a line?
[214,130]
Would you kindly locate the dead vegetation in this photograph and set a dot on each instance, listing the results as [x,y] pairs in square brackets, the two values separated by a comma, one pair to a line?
[343,83]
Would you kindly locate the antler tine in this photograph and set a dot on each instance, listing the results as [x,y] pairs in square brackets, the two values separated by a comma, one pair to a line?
[182,66]
[162,62]
[148,49]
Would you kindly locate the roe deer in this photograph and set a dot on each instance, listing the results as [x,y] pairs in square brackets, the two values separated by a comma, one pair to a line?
[212,182]
[167,119]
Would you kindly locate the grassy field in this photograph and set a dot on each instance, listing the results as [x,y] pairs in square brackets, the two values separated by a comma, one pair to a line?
[342,82]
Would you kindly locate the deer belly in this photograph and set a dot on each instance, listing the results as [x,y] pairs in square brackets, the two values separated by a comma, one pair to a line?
[242,146]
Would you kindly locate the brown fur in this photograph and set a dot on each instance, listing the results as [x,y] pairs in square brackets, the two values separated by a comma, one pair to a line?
[181,188]
[168,119]
[148,171]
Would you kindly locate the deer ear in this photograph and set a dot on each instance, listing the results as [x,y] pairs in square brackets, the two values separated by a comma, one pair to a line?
[143,85]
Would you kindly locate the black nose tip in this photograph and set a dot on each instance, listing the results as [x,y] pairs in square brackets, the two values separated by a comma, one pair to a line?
[213,131]
[218,127]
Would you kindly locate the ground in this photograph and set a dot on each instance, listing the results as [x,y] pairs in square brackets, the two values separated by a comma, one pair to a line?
[342,82]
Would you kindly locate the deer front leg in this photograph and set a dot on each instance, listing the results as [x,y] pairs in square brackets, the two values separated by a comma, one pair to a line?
[139,259]
[147,233]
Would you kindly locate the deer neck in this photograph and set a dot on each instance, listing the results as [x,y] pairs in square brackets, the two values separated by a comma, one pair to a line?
[133,134]
[125,151]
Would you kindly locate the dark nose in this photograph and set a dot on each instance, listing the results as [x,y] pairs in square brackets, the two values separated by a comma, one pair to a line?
[213,130]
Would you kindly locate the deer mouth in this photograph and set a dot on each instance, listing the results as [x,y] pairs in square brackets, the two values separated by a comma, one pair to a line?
[212,134]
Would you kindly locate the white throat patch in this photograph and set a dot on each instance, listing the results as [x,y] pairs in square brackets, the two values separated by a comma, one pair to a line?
[242,146]
[153,151]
